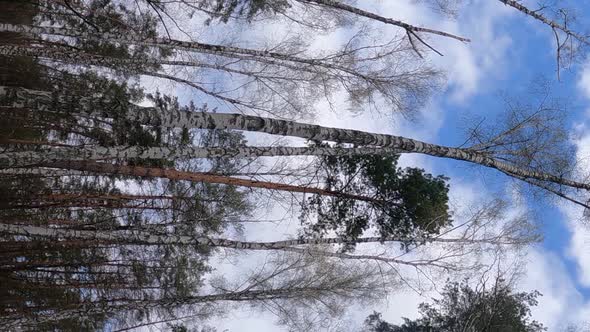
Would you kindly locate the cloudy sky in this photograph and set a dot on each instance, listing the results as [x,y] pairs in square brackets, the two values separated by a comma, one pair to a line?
[508,51]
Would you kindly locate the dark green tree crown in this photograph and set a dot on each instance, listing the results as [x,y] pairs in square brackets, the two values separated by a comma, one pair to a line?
[406,203]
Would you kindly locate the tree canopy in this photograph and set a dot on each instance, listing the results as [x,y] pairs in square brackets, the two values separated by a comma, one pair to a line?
[463,308]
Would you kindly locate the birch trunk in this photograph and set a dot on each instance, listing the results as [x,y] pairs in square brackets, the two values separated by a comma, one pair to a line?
[206,120]
[122,65]
[103,61]
[115,197]
[540,17]
[38,172]
[219,50]
[356,11]
[141,237]
[24,158]
[18,322]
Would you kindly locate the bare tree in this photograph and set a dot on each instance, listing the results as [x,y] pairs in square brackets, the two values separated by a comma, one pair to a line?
[300,290]
[32,157]
[506,151]
[568,41]
[486,231]
[285,78]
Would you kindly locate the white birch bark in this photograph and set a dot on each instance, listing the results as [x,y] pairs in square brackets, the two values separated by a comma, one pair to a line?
[141,237]
[24,158]
[551,23]
[206,120]
[357,11]
[87,310]
[220,50]
[446,260]
[104,61]
[43,172]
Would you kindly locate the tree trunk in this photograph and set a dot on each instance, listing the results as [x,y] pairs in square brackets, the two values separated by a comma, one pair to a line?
[206,120]
[172,174]
[122,64]
[356,11]
[12,323]
[140,237]
[219,50]
[26,158]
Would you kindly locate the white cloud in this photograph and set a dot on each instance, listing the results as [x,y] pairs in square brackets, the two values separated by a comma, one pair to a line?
[475,66]
[561,302]
[469,65]
[472,68]
[584,81]
[579,246]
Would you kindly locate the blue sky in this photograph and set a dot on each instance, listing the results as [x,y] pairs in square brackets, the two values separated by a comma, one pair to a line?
[508,51]
[530,57]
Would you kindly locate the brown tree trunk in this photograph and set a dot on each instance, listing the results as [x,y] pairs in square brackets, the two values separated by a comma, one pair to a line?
[172,174]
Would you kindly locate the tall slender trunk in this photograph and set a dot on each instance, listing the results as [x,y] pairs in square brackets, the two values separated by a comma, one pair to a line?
[219,50]
[38,172]
[152,172]
[114,197]
[543,19]
[133,66]
[86,204]
[357,11]
[124,64]
[10,323]
[141,237]
[206,120]
[24,158]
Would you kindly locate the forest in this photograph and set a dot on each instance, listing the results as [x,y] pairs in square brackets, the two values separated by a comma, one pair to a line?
[167,165]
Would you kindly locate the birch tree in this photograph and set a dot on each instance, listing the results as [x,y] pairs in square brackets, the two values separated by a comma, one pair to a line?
[109,215]
[226,10]
[569,41]
[268,81]
[482,230]
[47,275]
[505,156]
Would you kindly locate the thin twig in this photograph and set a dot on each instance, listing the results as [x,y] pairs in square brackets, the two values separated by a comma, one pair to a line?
[81,16]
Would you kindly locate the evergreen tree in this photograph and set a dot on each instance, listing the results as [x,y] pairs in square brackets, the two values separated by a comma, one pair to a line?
[462,308]
[405,203]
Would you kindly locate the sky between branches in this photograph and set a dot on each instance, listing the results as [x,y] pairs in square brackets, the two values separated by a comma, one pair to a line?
[507,52]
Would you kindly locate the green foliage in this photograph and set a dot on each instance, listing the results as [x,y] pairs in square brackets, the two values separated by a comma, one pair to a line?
[425,200]
[462,308]
[407,203]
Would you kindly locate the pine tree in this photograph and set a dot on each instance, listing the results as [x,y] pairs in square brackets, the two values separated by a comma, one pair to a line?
[462,308]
